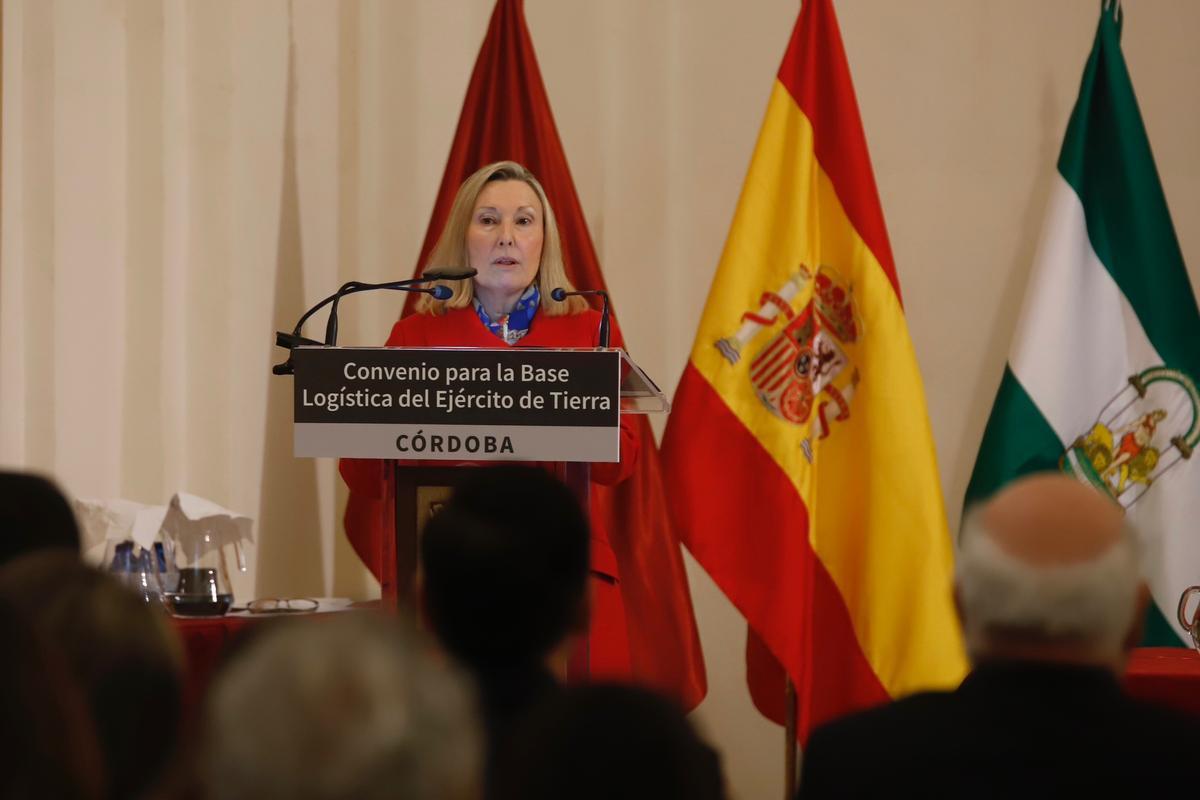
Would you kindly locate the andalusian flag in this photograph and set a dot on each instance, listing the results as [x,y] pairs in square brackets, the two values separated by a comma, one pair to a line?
[1100,380]
[799,450]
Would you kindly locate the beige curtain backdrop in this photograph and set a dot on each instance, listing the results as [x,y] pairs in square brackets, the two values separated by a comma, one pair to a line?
[180,178]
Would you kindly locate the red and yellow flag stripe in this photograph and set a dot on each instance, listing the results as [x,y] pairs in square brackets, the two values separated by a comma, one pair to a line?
[835,546]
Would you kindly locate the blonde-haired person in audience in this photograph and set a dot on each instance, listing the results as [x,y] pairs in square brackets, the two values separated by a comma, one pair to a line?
[353,707]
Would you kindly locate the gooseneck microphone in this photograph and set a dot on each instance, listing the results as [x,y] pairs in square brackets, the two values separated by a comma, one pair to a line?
[561,294]
[295,339]
[446,274]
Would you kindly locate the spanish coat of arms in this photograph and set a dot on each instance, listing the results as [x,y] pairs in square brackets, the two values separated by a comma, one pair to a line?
[803,374]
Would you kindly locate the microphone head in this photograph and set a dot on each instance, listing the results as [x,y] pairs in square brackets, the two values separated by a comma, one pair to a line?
[441,292]
[449,274]
[559,294]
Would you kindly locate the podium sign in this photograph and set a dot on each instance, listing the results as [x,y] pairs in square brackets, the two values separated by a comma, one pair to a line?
[458,404]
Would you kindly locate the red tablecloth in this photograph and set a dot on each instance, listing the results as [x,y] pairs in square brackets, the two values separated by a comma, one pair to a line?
[205,640]
[1169,676]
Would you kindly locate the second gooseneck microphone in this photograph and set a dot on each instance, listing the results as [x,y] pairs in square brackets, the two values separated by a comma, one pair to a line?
[561,294]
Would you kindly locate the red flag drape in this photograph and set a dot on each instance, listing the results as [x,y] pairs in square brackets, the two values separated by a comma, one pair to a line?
[506,115]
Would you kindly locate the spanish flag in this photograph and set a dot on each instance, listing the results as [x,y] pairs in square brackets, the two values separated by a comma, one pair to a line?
[799,453]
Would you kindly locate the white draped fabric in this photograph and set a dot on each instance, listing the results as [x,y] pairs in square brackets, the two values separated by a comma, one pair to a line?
[181,178]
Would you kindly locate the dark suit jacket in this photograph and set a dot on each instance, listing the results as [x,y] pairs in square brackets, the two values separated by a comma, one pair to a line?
[506,697]
[1010,730]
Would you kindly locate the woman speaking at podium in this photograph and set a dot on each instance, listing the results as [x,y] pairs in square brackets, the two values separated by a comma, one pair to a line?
[502,226]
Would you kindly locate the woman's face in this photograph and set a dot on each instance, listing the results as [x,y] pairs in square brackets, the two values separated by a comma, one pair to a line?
[504,239]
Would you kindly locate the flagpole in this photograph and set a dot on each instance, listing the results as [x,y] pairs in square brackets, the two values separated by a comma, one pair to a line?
[789,729]
[789,746]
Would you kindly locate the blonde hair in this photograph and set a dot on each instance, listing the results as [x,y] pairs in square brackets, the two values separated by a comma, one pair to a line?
[451,248]
[358,705]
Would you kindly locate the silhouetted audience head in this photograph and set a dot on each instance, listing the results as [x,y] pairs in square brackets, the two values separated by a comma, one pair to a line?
[607,741]
[122,653]
[1048,570]
[33,515]
[353,706]
[50,746]
[505,568]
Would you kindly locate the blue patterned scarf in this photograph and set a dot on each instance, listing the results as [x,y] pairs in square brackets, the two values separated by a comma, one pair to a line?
[515,324]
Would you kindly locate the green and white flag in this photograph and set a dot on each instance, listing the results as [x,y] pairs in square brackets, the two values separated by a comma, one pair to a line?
[1101,378]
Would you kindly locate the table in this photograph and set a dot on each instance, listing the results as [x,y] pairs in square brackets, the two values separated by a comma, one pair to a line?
[205,641]
[1168,676]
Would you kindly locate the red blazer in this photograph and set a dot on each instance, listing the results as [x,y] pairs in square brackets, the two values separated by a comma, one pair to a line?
[609,646]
